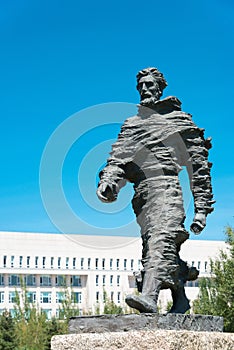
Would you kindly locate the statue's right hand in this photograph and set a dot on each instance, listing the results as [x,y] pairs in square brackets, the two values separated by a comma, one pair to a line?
[199,223]
[107,193]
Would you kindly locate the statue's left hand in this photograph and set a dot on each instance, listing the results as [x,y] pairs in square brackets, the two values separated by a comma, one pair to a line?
[106,192]
[199,223]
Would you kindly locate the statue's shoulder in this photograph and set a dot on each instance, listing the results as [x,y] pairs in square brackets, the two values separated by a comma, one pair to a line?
[170,103]
[132,120]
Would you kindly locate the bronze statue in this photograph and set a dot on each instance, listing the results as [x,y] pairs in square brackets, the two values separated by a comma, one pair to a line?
[150,151]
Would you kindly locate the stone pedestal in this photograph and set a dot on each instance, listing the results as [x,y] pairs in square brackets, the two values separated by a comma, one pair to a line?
[145,332]
[145,340]
[123,323]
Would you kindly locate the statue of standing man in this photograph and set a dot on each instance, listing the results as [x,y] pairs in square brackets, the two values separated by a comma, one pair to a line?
[150,151]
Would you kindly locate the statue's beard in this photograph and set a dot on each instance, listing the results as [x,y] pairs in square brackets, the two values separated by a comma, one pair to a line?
[149,101]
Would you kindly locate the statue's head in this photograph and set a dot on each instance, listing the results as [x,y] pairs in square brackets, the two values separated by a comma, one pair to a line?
[150,84]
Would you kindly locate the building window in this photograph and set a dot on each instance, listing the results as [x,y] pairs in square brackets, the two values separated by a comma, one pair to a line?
[97,297]
[12,260]
[132,282]
[76,281]
[31,297]
[60,296]
[48,313]
[74,263]
[82,263]
[192,263]
[139,264]
[60,281]
[1,280]
[1,297]
[89,263]
[103,264]
[12,297]
[59,263]
[45,281]
[43,262]
[52,262]
[103,280]
[67,263]
[36,262]
[28,262]
[117,264]
[205,265]
[96,263]
[45,297]
[76,297]
[125,264]
[4,261]
[111,280]
[132,264]
[14,280]
[111,264]
[198,265]
[30,280]
[97,280]
[112,297]
[118,279]
[118,297]
[20,261]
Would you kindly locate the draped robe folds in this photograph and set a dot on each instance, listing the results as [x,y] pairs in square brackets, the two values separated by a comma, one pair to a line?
[150,151]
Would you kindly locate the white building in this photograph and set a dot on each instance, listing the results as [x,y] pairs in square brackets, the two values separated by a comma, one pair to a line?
[91,267]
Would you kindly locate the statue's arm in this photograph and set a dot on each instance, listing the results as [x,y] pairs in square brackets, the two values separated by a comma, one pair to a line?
[113,176]
[198,168]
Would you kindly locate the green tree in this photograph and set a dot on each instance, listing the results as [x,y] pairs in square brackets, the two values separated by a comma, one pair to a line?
[69,307]
[7,332]
[30,323]
[33,330]
[216,295]
[110,307]
[54,327]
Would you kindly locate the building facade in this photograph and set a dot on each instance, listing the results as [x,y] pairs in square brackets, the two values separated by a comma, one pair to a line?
[90,268]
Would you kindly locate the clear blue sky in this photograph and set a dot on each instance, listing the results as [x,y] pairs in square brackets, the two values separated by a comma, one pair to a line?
[60,57]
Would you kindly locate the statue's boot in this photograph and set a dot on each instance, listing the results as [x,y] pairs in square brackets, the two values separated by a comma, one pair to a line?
[180,301]
[147,301]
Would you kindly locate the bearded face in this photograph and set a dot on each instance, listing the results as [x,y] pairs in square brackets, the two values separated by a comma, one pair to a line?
[149,90]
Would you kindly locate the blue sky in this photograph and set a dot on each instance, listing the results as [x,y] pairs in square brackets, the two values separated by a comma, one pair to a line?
[62,58]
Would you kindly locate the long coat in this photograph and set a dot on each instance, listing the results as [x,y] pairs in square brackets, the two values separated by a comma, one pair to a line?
[150,151]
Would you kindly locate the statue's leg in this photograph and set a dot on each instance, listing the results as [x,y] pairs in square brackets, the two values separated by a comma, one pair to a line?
[160,214]
[147,301]
[180,301]
[159,259]
[147,281]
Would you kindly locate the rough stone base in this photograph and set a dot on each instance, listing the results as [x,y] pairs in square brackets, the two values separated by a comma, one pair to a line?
[123,323]
[145,340]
